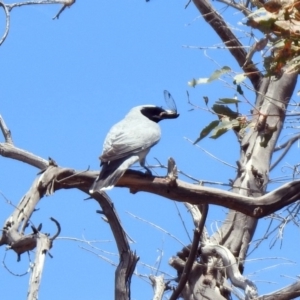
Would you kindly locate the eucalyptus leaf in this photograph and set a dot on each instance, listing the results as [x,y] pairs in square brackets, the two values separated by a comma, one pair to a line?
[228,101]
[206,130]
[218,73]
[223,110]
[223,127]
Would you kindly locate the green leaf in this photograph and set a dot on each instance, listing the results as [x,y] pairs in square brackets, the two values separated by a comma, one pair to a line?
[215,75]
[205,131]
[224,126]
[218,73]
[218,132]
[228,101]
[239,78]
[224,110]
[259,11]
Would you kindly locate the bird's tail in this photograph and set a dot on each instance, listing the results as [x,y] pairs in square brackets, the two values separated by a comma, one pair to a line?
[111,172]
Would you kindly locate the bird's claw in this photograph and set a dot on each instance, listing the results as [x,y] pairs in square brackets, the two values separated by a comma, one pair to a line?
[148,172]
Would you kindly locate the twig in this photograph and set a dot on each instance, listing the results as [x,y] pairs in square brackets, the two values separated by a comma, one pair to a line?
[68,3]
[190,261]
[237,6]
[35,2]
[7,26]
[157,227]
[211,155]
[58,229]
[221,28]
[182,221]
[187,4]
[5,131]
[286,146]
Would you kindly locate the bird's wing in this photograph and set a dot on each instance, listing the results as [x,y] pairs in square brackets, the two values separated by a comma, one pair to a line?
[130,136]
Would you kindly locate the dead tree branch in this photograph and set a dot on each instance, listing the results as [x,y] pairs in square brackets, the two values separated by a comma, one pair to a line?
[158,285]
[286,147]
[128,259]
[192,256]
[8,8]
[289,292]
[43,246]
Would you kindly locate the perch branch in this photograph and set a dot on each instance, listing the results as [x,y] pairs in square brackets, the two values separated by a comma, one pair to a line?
[181,191]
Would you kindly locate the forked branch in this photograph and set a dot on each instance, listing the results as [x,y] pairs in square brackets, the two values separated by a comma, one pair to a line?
[7,7]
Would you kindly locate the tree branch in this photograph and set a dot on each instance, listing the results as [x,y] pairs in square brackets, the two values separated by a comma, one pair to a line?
[7,26]
[158,286]
[43,246]
[286,147]
[290,292]
[232,270]
[180,191]
[229,39]
[192,256]
[128,259]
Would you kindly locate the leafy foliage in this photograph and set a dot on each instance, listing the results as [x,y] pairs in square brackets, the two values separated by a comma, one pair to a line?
[214,76]
[280,21]
[227,120]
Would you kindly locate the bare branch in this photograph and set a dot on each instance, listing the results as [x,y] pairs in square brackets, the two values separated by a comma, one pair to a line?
[158,286]
[237,5]
[183,192]
[193,194]
[58,229]
[7,26]
[37,2]
[43,246]
[192,256]
[10,151]
[68,3]
[128,259]
[8,8]
[286,147]
[232,270]
[5,131]
[290,292]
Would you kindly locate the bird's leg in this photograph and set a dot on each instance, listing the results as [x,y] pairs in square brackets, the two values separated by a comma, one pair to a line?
[148,171]
[142,163]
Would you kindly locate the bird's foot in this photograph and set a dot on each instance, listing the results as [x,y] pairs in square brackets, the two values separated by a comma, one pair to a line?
[148,172]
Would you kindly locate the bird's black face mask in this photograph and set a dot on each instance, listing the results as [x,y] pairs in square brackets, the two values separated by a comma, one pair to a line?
[157,114]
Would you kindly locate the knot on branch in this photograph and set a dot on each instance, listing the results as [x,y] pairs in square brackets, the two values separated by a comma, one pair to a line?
[172,174]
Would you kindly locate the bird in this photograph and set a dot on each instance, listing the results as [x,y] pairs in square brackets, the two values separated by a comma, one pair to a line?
[128,142]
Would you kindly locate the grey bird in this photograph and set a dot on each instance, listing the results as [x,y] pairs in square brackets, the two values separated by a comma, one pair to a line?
[129,141]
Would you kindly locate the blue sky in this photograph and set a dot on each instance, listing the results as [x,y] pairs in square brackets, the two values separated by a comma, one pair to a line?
[64,83]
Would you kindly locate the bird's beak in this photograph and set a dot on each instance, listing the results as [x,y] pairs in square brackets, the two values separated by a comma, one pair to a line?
[168,114]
